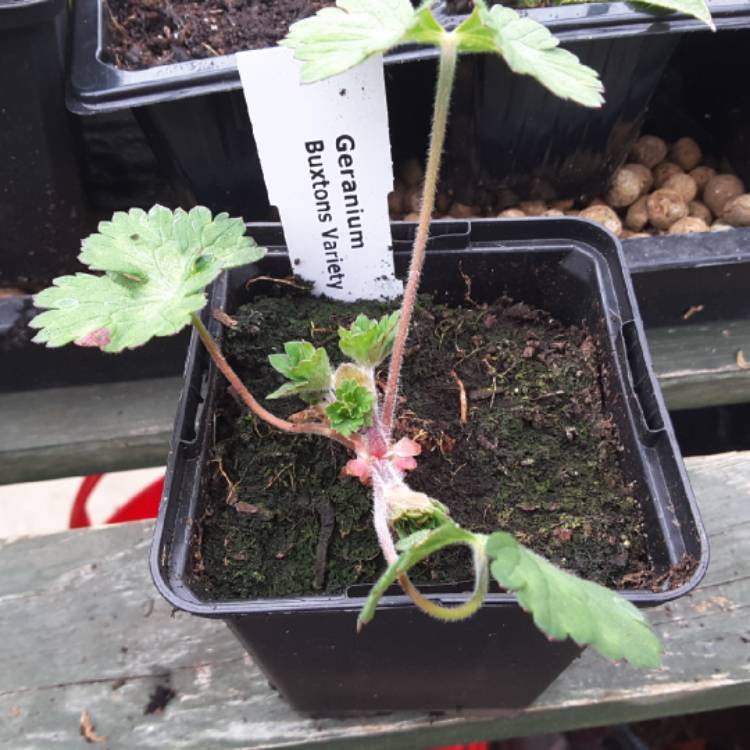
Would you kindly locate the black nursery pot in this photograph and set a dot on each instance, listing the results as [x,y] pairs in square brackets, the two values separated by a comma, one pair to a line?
[307,646]
[509,129]
[193,113]
[504,127]
[43,211]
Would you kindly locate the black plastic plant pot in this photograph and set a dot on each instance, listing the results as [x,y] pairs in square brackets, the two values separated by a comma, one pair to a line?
[193,113]
[512,132]
[196,119]
[43,210]
[307,646]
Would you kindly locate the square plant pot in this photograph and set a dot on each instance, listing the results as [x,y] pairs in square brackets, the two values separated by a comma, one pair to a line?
[307,645]
[214,161]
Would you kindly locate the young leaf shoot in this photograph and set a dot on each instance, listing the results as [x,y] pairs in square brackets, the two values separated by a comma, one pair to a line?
[156,266]
[306,367]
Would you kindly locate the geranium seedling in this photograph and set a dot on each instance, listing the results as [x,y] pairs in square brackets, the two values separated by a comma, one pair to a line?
[156,265]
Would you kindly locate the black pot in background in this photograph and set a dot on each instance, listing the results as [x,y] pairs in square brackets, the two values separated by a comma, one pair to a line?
[196,118]
[43,211]
[193,113]
[699,97]
[509,130]
[307,645]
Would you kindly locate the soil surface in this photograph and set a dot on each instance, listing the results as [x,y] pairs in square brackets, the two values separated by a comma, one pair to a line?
[538,454]
[146,33]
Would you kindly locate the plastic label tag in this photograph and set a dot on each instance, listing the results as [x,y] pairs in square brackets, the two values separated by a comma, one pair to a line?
[326,158]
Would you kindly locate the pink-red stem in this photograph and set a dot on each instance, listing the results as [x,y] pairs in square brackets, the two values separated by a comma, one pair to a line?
[252,404]
[446,75]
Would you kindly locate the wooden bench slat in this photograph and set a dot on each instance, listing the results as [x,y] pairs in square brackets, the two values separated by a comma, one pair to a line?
[116,426]
[83,629]
[697,364]
[89,429]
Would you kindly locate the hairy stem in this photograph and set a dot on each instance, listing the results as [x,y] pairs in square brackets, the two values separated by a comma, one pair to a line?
[460,611]
[249,400]
[398,571]
[446,75]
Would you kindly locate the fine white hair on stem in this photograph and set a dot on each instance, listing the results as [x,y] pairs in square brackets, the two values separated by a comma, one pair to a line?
[446,76]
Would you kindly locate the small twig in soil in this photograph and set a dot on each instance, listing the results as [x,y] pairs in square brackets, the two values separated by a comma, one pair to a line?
[275,477]
[231,497]
[464,413]
[481,394]
[468,356]
[467,282]
[223,318]
[287,282]
[551,394]
[327,521]
[210,49]
[119,28]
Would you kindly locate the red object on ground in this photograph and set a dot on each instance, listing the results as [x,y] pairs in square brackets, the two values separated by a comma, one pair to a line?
[470,746]
[144,504]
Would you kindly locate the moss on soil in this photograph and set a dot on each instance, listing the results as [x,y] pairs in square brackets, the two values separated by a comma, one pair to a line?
[539,456]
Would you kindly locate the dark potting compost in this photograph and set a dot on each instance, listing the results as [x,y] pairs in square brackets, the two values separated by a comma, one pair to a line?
[506,403]
[144,33]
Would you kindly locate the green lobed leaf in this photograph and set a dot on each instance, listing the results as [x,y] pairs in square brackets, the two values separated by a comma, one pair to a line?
[306,367]
[696,8]
[368,342]
[338,38]
[563,605]
[352,409]
[529,48]
[156,265]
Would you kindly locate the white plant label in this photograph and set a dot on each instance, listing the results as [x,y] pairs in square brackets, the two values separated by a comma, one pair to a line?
[326,158]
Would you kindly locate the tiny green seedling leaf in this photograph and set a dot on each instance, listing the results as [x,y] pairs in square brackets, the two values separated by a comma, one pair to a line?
[696,8]
[156,265]
[565,606]
[336,39]
[352,409]
[368,342]
[306,367]
[530,49]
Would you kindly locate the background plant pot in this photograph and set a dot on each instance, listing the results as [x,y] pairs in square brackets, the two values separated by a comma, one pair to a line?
[42,206]
[700,281]
[307,645]
[511,131]
[193,113]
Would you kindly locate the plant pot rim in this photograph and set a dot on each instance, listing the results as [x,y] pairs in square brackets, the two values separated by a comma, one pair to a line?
[580,234]
[95,86]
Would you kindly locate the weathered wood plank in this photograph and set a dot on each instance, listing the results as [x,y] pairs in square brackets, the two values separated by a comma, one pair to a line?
[697,364]
[83,629]
[86,429]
